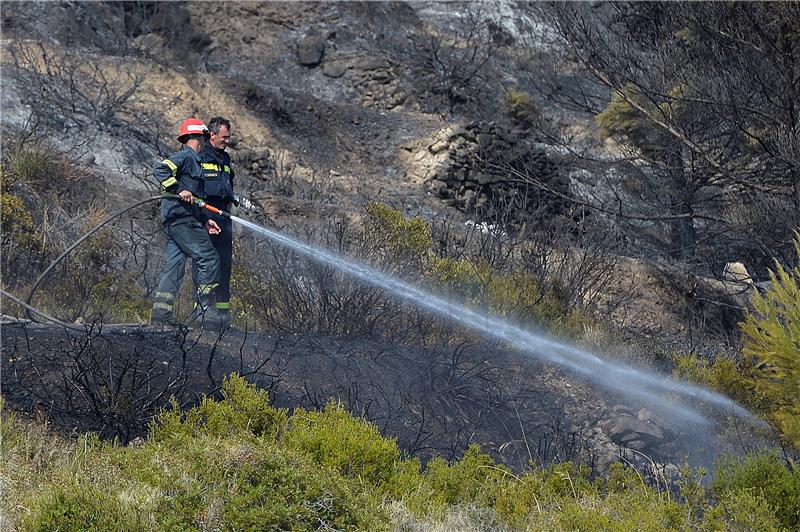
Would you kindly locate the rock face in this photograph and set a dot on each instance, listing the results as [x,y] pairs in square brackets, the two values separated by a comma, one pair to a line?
[490,169]
[640,432]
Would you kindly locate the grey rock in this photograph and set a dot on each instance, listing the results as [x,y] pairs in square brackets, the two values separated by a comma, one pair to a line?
[334,69]
[628,431]
[310,50]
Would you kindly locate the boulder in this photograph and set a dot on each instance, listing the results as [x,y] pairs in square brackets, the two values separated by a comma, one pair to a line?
[633,433]
[736,272]
[334,69]
[310,50]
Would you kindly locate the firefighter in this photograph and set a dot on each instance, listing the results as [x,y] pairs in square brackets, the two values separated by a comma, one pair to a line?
[188,229]
[218,187]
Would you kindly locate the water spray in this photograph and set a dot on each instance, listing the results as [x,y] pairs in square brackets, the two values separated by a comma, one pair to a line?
[616,377]
[657,390]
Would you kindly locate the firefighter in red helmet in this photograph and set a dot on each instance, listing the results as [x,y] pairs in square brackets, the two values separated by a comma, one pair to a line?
[188,229]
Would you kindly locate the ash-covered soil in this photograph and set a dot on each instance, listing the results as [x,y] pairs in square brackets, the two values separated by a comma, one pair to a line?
[435,401]
[112,379]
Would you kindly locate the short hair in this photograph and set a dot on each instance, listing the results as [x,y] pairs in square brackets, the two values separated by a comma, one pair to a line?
[215,123]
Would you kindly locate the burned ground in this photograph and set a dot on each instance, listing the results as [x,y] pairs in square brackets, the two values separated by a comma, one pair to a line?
[112,379]
[435,401]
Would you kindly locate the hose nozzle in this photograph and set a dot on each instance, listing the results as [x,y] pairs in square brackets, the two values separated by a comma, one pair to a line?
[205,205]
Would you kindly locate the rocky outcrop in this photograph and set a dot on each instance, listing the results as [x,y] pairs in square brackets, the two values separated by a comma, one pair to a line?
[488,168]
[376,80]
[641,431]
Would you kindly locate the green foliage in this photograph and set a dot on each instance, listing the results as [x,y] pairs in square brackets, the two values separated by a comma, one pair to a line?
[724,375]
[475,478]
[80,507]
[228,465]
[19,233]
[350,446]
[741,511]
[517,295]
[245,410]
[623,116]
[31,164]
[214,482]
[520,105]
[404,238]
[772,336]
[118,298]
[20,239]
[763,476]
[620,117]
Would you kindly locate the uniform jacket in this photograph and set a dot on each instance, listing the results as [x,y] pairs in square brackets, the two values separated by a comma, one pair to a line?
[181,171]
[217,176]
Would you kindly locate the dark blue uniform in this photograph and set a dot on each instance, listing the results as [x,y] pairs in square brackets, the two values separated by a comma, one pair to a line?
[187,236]
[218,191]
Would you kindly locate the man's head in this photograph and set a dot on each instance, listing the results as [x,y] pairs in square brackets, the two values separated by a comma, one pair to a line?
[220,130]
[193,134]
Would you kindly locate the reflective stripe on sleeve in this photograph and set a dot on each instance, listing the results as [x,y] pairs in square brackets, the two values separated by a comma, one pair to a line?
[167,296]
[169,182]
[223,305]
[171,166]
[162,306]
[227,169]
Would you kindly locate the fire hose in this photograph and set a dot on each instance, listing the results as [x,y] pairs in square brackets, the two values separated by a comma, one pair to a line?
[30,310]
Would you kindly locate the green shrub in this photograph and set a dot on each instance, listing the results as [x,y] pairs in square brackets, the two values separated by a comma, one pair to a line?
[245,410]
[80,507]
[515,295]
[772,337]
[520,105]
[226,465]
[475,479]
[617,512]
[408,239]
[765,476]
[31,164]
[741,510]
[352,447]
[724,375]
[214,483]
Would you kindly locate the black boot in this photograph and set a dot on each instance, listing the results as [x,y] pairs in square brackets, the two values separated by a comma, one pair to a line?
[211,317]
[163,317]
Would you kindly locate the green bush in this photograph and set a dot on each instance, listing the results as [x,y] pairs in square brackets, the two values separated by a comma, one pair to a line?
[741,510]
[229,465]
[245,410]
[350,446]
[517,295]
[725,375]
[474,480]
[217,483]
[31,164]
[520,105]
[764,476]
[405,239]
[80,507]
[772,338]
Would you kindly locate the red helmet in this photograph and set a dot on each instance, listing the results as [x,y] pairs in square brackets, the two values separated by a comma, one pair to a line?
[192,126]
